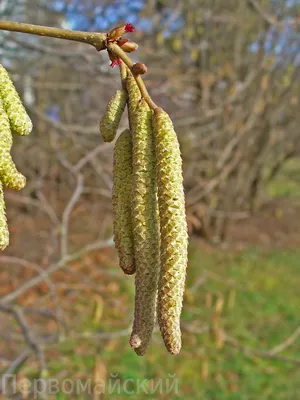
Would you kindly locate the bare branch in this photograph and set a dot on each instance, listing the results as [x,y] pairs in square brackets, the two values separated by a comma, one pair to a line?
[66,215]
[99,244]
[95,39]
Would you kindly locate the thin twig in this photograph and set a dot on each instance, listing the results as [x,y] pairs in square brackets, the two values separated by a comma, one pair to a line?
[265,354]
[27,332]
[95,39]
[97,245]
[89,156]
[98,40]
[67,212]
[114,48]
[270,19]
[17,362]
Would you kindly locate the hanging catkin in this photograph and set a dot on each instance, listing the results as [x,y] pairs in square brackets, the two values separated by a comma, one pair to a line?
[4,234]
[6,139]
[19,120]
[145,228]
[121,200]
[173,230]
[134,97]
[9,175]
[110,122]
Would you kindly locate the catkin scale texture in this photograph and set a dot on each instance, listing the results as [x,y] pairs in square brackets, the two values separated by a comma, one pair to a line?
[145,229]
[121,200]
[19,120]
[4,233]
[9,175]
[6,139]
[110,122]
[173,230]
[134,96]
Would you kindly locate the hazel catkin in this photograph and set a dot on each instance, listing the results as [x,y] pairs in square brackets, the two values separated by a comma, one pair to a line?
[6,139]
[112,117]
[173,230]
[121,200]
[145,228]
[4,233]
[19,120]
[9,175]
[134,96]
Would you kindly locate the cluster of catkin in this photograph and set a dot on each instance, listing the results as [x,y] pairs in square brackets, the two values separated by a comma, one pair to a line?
[13,119]
[150,230]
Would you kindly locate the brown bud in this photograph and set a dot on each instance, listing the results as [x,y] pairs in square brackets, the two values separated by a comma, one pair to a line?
[139,69]
[129,47]
[122,41]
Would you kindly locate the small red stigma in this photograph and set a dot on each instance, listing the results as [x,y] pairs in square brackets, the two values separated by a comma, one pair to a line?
[116,62]
[129,28]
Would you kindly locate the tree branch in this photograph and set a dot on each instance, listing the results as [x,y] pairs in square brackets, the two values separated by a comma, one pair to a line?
[270,19]
[97,245]
[95,39]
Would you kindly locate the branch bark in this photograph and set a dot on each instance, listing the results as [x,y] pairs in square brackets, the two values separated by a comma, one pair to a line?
[95,39]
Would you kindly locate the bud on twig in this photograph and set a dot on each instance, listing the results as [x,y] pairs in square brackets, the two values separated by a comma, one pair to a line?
[119,31]
[139,69]
[128,46]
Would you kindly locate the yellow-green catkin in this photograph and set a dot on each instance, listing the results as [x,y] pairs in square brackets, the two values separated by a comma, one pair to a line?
[6,138]
[4,233]
[145,229]
[110,122]
[19,120]
[9,175]
[134,96]
[173,230]
[121,200]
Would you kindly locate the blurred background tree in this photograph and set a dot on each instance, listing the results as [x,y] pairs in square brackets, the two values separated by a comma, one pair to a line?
[228,73]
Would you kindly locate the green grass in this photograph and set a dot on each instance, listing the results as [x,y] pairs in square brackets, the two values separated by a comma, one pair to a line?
[260,289]
[287,182]
[265,312]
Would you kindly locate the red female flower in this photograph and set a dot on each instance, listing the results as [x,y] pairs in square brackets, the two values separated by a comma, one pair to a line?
[119,31]
[129,28]
[116,62]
